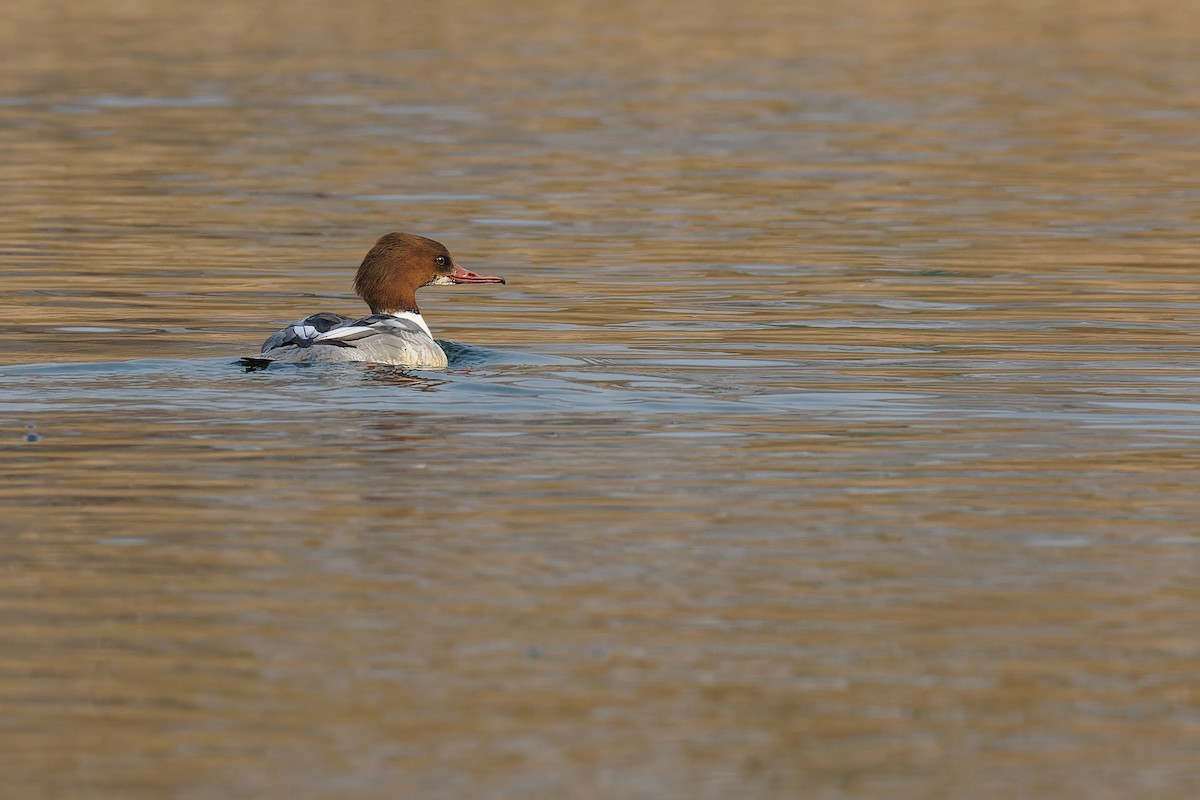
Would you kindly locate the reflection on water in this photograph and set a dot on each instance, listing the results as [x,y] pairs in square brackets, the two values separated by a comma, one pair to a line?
[834,436]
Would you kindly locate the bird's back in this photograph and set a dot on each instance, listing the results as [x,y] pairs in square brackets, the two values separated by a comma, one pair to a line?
[400,340]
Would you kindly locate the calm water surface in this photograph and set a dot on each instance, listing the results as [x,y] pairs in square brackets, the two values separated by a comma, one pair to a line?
[836,436]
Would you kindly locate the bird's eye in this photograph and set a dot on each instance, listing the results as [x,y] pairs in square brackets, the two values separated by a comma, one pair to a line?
[440,261]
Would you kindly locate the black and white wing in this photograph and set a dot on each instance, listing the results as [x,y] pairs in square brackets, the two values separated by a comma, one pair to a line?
[305,332]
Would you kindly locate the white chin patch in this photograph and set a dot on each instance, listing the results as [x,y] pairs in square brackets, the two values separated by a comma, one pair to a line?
[441,280]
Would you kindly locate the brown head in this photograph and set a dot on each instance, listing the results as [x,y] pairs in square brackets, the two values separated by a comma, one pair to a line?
[401,263]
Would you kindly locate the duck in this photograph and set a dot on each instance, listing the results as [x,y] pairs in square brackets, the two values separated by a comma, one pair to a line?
[394,332]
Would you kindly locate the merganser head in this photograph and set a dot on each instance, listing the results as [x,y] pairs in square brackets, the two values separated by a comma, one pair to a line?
[401,263]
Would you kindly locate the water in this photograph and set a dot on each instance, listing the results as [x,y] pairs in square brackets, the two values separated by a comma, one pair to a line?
[835,435]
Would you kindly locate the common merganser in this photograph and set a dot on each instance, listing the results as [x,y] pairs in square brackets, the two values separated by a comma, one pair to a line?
[394,332]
